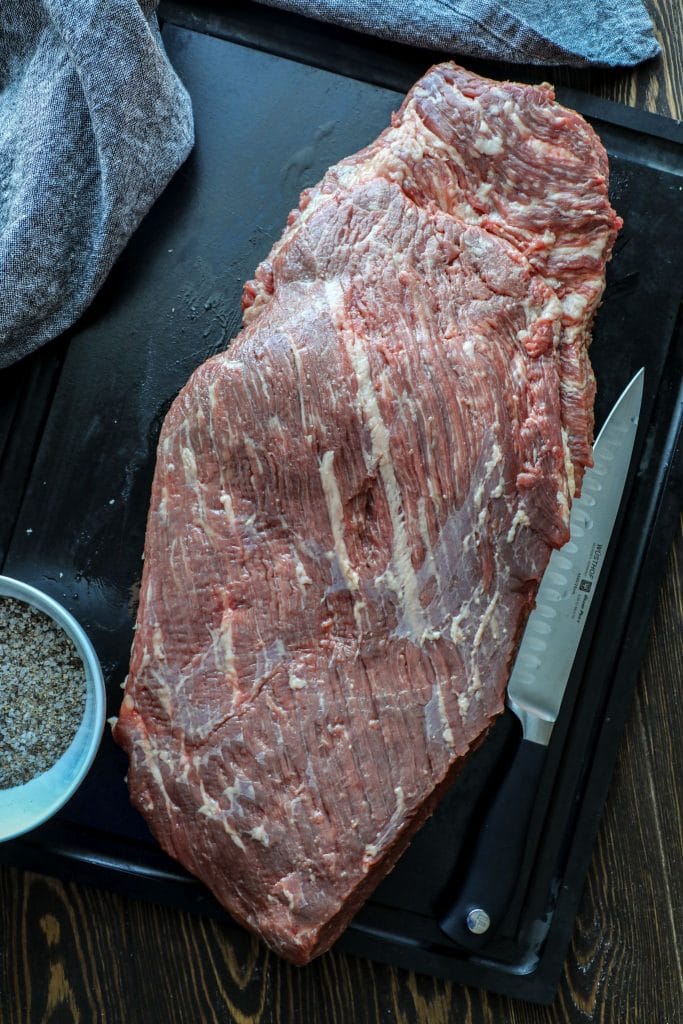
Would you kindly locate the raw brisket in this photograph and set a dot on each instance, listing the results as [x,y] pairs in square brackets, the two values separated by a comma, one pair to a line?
[353,505]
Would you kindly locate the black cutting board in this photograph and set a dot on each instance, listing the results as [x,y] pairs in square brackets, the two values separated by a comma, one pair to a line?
[78,428]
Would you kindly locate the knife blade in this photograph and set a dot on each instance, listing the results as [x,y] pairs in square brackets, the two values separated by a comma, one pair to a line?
[540,674]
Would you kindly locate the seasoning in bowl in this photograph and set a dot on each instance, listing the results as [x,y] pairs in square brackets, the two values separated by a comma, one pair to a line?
[42,692]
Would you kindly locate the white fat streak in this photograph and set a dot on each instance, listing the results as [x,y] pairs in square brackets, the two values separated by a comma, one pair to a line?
[574,305]
[299,373]
[457,635]
[212,809]
[415,128]
[463,703]
[162,692]
[436,721]
[152,757]
[297,807]
[446,731]
[213,401]
[215,404]
[484,191]
[518,369]
[296,682]
[162,510]
[572,253]
[520,519]
[358,608]
[228,508]
[241,788]
[189,465]
[250,447]
[486,620]
[223,645]
[552,310]
[158,649]
[569,468]
[189,462]
[335,513]
[264,386]
[489,468]
[402,580]
[303,579]
[510,109]
[436,498]
[226,430]
[495,460]
[564,506]
[260,835]
[372,849]
[489,145]
[431,634]
[268,657]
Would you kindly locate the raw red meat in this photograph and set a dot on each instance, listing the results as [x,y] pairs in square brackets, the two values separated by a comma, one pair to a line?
[353,505]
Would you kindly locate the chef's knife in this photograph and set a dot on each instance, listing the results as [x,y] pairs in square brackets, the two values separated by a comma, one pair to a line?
[540,674]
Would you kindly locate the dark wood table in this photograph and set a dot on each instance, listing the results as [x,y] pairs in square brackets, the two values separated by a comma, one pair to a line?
[69,952]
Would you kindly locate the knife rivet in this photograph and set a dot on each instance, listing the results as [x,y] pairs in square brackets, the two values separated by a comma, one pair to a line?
[478,921]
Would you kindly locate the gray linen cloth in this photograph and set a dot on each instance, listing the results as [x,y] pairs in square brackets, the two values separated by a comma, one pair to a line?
[94,121]
[93,124]
[570,32]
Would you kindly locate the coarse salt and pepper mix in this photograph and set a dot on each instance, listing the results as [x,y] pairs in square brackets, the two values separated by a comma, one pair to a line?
[42,692]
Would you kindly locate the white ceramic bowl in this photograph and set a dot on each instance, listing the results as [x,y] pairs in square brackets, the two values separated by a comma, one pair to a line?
[25,807]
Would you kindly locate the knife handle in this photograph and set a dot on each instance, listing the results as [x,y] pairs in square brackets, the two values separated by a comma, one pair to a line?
[492,876]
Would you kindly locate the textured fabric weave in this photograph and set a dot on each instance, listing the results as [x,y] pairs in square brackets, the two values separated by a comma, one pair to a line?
[93,124]
[569,32]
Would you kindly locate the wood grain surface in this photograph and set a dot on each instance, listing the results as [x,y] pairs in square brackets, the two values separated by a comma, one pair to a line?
[71,953]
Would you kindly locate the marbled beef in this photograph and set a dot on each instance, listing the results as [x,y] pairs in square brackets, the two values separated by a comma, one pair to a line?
[353,505]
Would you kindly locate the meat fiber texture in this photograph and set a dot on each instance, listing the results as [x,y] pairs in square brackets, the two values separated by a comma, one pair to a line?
[353,505]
